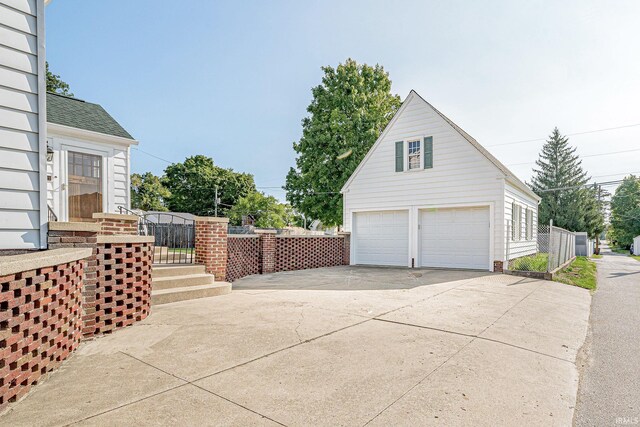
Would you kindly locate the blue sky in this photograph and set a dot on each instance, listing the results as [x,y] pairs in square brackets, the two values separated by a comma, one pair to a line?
[232,79]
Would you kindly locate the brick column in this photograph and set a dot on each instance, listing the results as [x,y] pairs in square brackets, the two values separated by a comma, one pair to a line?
[267,251]
[346,247]
[211,245]
[117,224]
[80,235]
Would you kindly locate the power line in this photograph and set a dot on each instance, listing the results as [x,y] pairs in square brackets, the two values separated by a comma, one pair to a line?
[575,187]
[569,134]
[152,155]
[582,157]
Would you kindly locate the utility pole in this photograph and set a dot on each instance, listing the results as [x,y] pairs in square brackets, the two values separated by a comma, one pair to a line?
[599,193]
[215,203]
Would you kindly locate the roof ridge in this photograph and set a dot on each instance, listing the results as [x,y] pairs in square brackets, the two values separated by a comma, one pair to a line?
[477,145]
[67,96]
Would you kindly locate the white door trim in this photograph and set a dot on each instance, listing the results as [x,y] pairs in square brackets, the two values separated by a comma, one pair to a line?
[63,172]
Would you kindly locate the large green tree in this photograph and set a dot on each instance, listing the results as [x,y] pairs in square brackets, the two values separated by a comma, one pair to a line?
[148,193]
[348,112]
[625,211]
[267,211]
[193,184]
[561,183]
[55,84]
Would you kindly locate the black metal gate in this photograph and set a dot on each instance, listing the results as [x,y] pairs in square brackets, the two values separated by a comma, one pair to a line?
[175,236]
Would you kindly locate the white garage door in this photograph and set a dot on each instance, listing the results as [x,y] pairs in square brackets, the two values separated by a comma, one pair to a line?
[455,238]
[381,238]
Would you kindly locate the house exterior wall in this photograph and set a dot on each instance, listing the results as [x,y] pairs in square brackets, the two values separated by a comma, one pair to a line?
[461,176]
[22,125]
[116,165]
[524,246]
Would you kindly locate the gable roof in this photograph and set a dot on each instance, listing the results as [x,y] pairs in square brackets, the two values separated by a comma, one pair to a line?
[76,113]
[510,176]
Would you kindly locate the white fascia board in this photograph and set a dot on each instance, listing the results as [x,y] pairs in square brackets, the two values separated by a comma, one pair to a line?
[84,134]
[523,187]
[378,141]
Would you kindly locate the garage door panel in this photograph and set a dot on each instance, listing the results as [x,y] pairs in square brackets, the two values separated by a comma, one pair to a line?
[455,238]
[381,238]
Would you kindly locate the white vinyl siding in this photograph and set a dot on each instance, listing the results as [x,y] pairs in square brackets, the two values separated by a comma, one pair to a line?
[22,133]
[115,168]
[526,244]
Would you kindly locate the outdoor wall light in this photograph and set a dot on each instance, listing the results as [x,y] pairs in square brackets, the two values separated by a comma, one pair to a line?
[49,154]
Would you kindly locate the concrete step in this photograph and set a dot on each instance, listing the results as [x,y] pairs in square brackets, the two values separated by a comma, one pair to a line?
[188,280]
[170,270]
[166,296]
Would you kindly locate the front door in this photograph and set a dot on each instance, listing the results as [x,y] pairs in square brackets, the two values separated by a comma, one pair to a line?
[85,186]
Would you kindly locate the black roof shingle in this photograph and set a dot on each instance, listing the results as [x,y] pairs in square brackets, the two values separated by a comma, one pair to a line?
[73,112]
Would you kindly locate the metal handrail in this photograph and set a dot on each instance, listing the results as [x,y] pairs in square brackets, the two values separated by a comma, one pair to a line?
[52,215]
[174,240]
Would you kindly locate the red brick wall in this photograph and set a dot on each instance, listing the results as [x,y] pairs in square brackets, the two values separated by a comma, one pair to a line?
[113,226]
[40,325]
[243,257]
[302,252]
[211,245]
[268,253]
[123,292]
[81,239]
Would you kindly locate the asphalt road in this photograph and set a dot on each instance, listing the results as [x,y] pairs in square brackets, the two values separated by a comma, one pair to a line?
[609,392]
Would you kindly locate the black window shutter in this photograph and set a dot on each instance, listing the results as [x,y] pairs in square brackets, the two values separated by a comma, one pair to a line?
[399,156]
[428,152]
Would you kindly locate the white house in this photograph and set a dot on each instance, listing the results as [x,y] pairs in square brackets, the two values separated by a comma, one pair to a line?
[23,207]
[88,166]
[429,195]
[636,245]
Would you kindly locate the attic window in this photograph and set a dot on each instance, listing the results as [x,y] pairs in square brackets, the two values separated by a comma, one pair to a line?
[413,150]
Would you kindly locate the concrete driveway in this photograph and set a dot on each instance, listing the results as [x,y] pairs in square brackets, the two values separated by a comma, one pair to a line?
[334,346]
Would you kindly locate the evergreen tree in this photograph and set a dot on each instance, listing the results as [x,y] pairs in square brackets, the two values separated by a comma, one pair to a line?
[348,112]
[561,182]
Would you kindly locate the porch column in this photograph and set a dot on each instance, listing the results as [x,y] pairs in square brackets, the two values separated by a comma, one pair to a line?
[211,245]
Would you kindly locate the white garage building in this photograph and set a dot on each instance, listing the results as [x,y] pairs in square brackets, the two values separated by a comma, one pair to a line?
[429,195]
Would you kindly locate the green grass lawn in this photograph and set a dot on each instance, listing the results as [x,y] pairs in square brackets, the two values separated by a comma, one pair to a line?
[537,262]
[636,257]
[180,250]
[620,250]
[596,256]
[581,272]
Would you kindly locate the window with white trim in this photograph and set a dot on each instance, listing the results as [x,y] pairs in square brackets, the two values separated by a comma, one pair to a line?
[413,153]
[516,221]
[529,224]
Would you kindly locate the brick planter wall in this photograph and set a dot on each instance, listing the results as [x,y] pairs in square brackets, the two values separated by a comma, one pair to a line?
[40,319]
[243,256]
[83,235]
[101,311]
[265,252]
[123,293]
[303,252]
